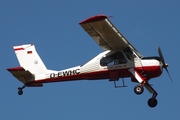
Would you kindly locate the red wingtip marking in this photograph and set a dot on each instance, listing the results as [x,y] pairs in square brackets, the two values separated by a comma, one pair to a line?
[94,19]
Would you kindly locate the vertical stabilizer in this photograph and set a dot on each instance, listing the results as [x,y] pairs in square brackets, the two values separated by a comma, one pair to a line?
[29,59]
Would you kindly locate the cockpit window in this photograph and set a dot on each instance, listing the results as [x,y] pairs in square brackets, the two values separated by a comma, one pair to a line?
[114,59]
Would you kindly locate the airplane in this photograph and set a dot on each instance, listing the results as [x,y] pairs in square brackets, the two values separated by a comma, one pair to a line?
[120,59]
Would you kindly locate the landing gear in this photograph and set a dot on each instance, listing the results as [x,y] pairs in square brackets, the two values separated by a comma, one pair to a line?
[20,90]
[152,102]
[138,89]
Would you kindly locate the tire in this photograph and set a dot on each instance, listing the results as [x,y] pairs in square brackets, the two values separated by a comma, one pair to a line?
[152,102]
[138,89]
[20,92]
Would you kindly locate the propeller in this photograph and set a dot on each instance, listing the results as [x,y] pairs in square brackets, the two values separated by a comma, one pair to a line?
[165,65]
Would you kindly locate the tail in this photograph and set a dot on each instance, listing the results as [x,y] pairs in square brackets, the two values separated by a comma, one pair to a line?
[29,59]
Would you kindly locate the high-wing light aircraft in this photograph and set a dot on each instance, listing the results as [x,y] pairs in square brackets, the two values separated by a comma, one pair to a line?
[120,59]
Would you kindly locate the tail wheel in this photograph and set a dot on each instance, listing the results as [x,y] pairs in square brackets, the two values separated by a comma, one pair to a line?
[152,102]
[138,89]
[20,89]
[20,92]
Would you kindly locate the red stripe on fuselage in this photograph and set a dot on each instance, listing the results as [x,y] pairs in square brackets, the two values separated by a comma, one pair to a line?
[151,71]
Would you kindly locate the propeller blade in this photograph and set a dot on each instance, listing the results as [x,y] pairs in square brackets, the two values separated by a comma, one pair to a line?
[169,74]
[161,57]
[163,62]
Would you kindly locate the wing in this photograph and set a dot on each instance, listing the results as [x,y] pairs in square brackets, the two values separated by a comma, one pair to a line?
[105,34]
[23,75]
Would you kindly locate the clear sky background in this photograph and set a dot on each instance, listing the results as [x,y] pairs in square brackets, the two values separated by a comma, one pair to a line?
[53,26]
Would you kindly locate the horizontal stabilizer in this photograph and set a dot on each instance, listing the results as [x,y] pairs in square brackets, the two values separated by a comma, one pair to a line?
[21,74]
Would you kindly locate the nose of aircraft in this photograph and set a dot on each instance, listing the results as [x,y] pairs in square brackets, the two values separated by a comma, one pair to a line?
[166,65]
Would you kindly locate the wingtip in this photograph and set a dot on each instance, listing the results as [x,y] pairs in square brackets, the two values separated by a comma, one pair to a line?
[94,18]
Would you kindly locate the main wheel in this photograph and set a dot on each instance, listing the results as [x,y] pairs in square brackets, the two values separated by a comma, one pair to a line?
[20,92]
[138,89]
[152,102]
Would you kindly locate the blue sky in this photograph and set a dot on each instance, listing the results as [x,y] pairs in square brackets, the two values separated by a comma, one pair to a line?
[53,26]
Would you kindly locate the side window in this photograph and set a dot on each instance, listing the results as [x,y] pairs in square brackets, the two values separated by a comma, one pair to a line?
[108,60]
[120,59]
[114,59]
[128,52]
